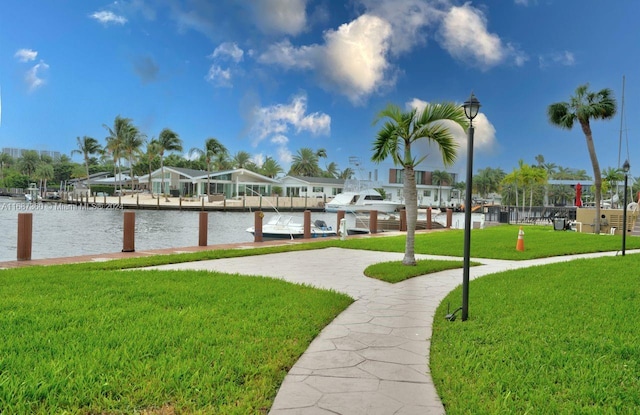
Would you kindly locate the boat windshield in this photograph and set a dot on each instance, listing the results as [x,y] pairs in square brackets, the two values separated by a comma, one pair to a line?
[373,197]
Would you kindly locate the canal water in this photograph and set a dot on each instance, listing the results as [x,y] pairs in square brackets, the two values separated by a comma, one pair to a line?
[61,230]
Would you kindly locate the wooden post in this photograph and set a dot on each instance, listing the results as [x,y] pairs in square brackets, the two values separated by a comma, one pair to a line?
[340,217]
[202,203]
[449,218]
[429,224]
[307,224]
[203,228]
[25,232]
[257,226]
[373,221]
[138,200]
[403,220]
[158,202]
[128,241]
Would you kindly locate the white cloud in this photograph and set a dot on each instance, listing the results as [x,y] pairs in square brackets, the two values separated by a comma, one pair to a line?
[465,36]
[564,58]
[278,121]
[33,77]
[408,19]
[219,77]
[26,55]
[107,17]
[280,16]
[228,50]
[352,61]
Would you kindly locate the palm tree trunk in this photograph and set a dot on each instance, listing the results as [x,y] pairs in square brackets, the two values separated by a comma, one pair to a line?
[208,178]
[411,206]
[86,166]
[586,129]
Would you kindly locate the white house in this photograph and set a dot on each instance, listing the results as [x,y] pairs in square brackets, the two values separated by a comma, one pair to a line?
[428,193]
[190,182]
[317,187]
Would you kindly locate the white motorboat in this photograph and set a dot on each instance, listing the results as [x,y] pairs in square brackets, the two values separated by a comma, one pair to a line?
[289,227]
[361,199]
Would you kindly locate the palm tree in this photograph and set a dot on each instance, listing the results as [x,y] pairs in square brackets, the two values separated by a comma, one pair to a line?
[151,152]
[168,140]
[583,107]
[612,176]
[131,144]
[28,162]
[44,172]
[270,167]
[346,174]
[241,159]
[212,147]
[305,163]
[332,170]
[439,177]
[87,146]
[400,131]
[116,142]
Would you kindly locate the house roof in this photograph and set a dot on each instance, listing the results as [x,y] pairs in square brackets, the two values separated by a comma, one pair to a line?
[316,180]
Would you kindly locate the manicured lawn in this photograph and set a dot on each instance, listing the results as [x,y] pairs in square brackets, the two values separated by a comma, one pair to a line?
[88,338]
[394,271]
[499,242]
[107,342]
[557,339]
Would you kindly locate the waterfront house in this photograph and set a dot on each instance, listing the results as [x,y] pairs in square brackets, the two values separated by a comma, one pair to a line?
[189,182]
[429,194]
[311,187]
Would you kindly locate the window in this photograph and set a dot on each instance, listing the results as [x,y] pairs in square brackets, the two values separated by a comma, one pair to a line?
[318,189]
[426,193]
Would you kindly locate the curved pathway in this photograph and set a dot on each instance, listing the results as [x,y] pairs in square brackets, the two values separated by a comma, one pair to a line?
[373,358]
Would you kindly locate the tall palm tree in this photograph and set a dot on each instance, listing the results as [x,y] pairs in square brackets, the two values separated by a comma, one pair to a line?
[87,146]
[439,177]
[116,142]
[612,176]
[152,151]
[131,144]
[400,131]
[305,163]
[168,140]
[583,107]
[212,147]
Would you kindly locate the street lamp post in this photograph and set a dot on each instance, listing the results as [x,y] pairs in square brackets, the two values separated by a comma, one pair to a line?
[625,168]
[471,108]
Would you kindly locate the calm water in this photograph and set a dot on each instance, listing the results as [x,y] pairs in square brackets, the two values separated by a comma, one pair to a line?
[65,230]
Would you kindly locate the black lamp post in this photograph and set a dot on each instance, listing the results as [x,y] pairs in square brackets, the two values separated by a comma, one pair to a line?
[625,168]
[471,108]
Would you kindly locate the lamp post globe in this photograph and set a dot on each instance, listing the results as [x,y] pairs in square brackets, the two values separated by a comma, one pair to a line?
[471,109]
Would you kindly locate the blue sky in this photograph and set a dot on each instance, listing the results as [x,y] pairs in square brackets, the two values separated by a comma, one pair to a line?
[272,76]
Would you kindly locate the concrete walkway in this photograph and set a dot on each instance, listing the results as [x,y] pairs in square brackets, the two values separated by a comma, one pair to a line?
[374,357]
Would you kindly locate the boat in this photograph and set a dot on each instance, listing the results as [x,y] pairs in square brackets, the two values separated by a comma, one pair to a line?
[358,197]
[289,227]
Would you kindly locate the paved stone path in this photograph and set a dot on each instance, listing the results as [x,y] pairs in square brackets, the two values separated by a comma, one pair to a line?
[373,358]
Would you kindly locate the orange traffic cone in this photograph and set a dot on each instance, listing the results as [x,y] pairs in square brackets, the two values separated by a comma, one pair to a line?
[520,244]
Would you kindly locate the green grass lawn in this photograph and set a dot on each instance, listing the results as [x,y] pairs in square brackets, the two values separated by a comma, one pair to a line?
[87,338]
[394,271]
[105,342]
[556,339]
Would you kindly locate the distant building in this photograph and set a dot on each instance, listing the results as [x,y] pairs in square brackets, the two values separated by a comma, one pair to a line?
[17,152]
